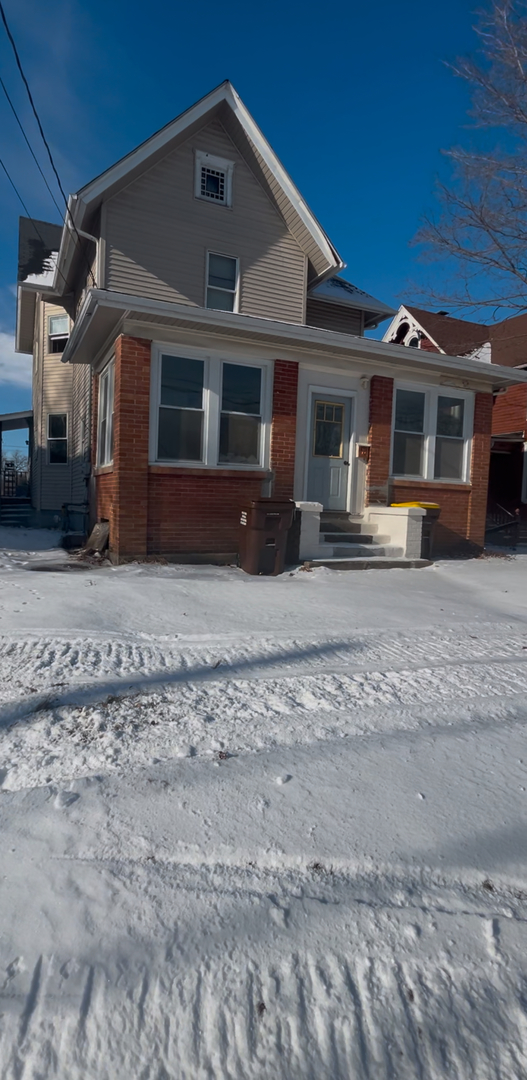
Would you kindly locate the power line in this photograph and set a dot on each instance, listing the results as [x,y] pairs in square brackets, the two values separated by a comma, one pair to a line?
[32,152]
[17,193]
[40,128]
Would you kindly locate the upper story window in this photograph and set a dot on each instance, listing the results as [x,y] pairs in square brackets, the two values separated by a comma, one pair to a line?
[105,415]
[222,282]
[213,179]
[431,434]
[58,332]
[57,439]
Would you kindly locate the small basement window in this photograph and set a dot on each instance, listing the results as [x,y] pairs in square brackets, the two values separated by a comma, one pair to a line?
[57,439]
[59,332]
[213,179]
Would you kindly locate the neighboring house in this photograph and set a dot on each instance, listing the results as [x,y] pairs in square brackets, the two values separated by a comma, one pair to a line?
[59,421]
[505,344]
[229,359]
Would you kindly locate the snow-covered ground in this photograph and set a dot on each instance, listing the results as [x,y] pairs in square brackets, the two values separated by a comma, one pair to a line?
[262,828]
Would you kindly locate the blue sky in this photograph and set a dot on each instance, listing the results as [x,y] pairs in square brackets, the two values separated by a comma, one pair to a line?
[353,97]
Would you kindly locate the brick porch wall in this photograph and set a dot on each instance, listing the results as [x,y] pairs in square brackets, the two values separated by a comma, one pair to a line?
[380,438]
[158,510]
[510,411]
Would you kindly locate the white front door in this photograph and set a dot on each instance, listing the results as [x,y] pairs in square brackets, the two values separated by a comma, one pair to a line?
[329,450]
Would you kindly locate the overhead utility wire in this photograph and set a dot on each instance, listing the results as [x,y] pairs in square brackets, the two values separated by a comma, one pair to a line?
[30,148]
[34,224]
[40,128]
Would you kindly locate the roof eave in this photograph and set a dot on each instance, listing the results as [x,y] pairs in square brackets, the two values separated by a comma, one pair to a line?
[296,335]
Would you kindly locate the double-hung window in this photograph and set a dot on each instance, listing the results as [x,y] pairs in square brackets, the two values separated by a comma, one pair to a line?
[222,282]
[431,433]
[209,410]
[241,414]
[181,411]
[105,416]
[57,439]
[59,329]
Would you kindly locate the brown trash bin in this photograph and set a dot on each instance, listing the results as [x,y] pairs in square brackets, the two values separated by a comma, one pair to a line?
[264,526]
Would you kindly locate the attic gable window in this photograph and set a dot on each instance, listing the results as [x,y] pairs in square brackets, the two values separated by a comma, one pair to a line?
[213,179]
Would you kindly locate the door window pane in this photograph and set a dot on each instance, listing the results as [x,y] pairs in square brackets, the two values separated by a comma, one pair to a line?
[182,382]
[407,454]
[328,430]
[409,411]
[450,415]
[180,435]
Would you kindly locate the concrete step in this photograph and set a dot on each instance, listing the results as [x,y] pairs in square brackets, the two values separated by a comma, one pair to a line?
[342,523]
[354,538]
[370,551]
[369,564]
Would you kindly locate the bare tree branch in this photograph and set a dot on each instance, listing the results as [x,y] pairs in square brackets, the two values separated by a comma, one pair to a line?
[480,231]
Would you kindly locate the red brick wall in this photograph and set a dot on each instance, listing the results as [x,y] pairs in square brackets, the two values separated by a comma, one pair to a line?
[479,468]
[158,510]
[510,411]
[283,431]
[380,437]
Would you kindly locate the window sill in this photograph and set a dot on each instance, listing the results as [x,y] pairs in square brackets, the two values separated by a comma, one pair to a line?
[454,485]
[248,471]
[101,470]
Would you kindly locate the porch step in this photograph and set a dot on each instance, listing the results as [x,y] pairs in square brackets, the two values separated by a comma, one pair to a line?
[369,551]
[354,538]
[11,516]
[378,563]
[332,522]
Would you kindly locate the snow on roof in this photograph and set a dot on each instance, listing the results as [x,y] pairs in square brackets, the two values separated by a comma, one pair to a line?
[340,291]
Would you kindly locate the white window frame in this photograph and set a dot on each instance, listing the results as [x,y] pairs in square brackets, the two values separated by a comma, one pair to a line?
[203,159]
[236,302]
[107,457]
[57,337]
[49,439]
[212,393]
[432,393]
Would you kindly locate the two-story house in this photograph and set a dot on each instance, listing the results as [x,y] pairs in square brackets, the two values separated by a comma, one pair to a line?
[229,358]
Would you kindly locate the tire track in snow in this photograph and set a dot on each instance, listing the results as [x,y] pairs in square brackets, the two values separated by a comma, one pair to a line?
[48,659]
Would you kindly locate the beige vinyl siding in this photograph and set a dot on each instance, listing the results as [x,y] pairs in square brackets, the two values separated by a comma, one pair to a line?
[56,397]
[337,317]
[80,432]
[36,458]
[157,236]
[317,260]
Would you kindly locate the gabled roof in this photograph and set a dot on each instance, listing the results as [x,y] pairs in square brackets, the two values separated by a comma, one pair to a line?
[456,337]
[225,103]
[460,337]
[339,291]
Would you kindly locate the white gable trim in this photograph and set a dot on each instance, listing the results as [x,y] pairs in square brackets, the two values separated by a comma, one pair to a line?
[403,315]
